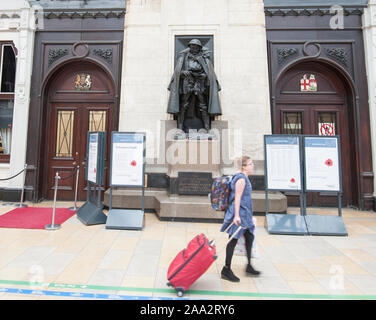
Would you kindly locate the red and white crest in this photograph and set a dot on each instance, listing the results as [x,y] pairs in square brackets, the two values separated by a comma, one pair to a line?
[308,85]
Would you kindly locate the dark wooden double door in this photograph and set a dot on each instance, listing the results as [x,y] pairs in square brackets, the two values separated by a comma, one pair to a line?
[319,120]
[324,111]
[69,125]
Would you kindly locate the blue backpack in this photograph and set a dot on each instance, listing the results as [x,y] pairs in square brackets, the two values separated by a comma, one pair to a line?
[220,193]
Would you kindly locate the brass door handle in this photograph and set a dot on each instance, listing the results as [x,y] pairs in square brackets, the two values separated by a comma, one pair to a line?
[74,163]
[83,163]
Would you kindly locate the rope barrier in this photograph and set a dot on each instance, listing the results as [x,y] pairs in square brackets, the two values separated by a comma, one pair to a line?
[13,176]
[70,176]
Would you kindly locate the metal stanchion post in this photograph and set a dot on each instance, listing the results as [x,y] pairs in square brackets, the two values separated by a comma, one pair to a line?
[76,190]
[21,204]
[54,226]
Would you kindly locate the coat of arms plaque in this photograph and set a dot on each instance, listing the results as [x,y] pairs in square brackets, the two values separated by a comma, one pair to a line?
[83,82]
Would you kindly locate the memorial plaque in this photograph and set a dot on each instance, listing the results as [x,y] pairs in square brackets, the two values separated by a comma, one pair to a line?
[194,183]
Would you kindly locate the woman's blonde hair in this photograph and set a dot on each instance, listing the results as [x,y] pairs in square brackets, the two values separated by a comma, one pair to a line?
[242,162]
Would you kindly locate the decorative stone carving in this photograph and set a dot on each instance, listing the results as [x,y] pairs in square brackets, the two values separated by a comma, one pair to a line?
[83,14]
[339,54]
[284,53]
[80,49]
[106,54]
[312,49]
[55,54]
[270,11]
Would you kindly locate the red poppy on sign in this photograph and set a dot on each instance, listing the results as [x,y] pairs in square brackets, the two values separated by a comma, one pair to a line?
[329,162]
[292,180]
[133,163]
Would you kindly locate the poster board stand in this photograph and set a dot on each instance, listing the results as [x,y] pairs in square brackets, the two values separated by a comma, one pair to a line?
[91,212]
[322,173]
[283,172]
[127,170]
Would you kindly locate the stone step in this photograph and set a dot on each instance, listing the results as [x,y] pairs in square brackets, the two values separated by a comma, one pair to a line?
[179,207]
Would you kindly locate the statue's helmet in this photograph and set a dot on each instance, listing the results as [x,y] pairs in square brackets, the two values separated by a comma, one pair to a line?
[196,42]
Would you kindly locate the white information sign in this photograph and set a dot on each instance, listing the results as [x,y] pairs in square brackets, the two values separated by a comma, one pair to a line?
[93,158]
[283,163]
[127,159]
[322,164]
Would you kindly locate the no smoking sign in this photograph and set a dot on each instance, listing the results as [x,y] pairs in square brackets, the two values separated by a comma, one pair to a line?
[327,129]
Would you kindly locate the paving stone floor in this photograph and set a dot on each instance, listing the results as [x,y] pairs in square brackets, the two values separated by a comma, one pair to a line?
[85,261]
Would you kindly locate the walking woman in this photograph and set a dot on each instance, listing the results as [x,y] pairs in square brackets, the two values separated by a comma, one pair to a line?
[240,211]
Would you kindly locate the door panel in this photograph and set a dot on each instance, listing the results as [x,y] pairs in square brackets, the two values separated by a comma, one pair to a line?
[63,146]
[67,145]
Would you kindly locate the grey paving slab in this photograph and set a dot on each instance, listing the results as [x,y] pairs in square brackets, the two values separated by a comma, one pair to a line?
[370,250]
[332,285]
[266,267]
[275,284]
[148,247]
[161,279]
[130,233]
[370,266]
[111,257]
[279,254]
[55,263]
[369,237]
[366,283]
[322,247]
[31,256]
[208,281]
[141,265]
[107,277]
[302,251]
[342,242]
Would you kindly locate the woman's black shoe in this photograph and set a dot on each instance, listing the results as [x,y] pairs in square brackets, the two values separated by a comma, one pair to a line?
[249,270]
[227,274]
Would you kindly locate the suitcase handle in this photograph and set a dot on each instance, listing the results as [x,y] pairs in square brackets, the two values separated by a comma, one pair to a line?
[236,232]
[232,237]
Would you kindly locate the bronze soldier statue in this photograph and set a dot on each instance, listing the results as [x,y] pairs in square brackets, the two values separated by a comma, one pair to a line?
[194,85]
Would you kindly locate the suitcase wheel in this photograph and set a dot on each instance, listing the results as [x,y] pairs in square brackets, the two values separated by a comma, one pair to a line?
[215,257]
[169,284]
[180,292]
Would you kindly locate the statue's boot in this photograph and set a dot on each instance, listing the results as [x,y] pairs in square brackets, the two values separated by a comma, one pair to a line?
[180,121]
[206,119]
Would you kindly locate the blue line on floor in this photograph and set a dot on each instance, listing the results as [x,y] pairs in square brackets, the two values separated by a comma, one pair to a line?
[82,295]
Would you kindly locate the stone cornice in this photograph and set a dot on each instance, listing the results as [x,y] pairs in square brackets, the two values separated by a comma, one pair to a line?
[274,11]
[9,15]
[83,14]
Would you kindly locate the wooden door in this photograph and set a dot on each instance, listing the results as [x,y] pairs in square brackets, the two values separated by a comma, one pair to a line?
[69,124]
[319,120]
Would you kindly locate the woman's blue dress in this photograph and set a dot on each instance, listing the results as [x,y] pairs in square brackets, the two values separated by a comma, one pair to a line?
[246,208]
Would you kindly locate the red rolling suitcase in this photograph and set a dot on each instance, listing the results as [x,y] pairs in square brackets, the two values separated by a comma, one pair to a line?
[192,262]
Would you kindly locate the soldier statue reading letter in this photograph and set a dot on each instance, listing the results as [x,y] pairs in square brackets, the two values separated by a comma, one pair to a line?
[194,86]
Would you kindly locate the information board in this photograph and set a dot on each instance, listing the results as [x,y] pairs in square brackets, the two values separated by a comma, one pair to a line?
[92,157]
[283,164]
[322,164]
[127,159]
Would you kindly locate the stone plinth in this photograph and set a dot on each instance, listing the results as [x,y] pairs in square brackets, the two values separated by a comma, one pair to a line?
[194,152]
[169,207]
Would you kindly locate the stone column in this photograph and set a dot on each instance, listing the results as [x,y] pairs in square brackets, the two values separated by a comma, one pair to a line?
[25,47]
[369,32]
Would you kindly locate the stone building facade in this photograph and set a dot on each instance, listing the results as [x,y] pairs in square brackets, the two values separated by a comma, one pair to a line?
[17,27]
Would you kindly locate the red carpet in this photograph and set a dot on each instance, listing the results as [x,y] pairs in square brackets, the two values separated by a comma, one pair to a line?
[33,218]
